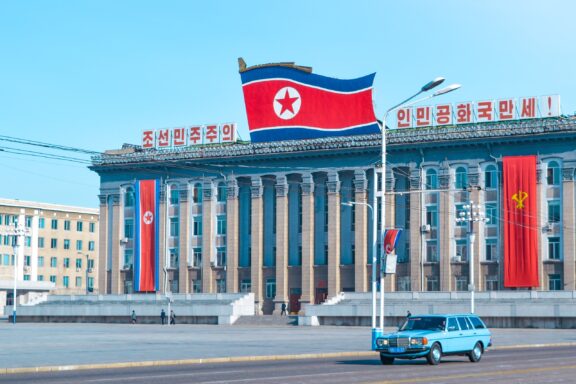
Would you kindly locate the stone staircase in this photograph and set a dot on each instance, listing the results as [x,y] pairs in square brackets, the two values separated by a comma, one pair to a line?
[267,321]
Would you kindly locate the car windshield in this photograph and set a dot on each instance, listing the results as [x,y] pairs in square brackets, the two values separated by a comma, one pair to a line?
[424,323]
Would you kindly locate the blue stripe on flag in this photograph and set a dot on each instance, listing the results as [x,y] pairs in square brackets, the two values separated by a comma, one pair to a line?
[156,235]
[136,260]
[297,133]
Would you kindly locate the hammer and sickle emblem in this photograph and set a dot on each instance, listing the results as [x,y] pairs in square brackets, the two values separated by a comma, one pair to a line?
[519,199]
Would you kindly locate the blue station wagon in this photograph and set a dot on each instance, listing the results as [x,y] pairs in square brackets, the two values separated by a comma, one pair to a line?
[434,336]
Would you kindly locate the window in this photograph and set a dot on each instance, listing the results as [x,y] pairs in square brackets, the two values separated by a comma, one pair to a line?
[28,241]
[554,248]
[432,216]
[197,193]
[221,286]
[40,261]
[432,283]
[462,249]
[461,283]
[66,281]
[53,243]
[54,224]
[554,211]
[431,179]
[66,262]
[91,245]
[174,195]
[553,173]
[174,258]
[270,288]
[461,178]
[28,221]
[53,262]
[66,244]
[174,227]
[91,263]
[555,282]
[403,283]
[221,227]
[476,322]
[129,228]
[128,258]
[27,260]
[40,242]
[491,283]
[6,259]
[197,261]
[41,223]
[91,227]
[221,256]
[52,279]
[79,226]
[78,281]
[221,192]
[491,214]
[78,245]
[463,323]
[90,284]
[78,263]
[431,251]
[490,177]
[40,277]
[26,277]
[245,286]
[491,249]
[129,197]
[197,226]
[66,225]
[452,325]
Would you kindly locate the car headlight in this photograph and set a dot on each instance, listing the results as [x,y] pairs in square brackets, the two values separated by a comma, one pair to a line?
[381,342]
[418,341]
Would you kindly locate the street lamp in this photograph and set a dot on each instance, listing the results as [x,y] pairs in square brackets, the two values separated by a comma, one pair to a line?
[18,233]
[472,213]
[409,101]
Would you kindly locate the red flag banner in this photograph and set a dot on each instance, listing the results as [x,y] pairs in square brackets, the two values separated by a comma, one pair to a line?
[520,222]
[146,255]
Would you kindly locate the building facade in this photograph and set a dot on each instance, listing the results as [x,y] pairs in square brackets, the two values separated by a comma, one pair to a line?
[60,246]
[274,219]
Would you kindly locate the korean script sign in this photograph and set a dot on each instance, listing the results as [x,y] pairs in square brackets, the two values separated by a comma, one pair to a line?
[483,111]
[186,136]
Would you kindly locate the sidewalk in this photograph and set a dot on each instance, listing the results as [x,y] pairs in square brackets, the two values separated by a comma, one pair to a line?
[63,344]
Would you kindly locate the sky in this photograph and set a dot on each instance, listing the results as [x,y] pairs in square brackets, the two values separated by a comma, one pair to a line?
[95,74]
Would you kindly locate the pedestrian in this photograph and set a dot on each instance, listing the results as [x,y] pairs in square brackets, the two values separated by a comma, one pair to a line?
[408,314]
[172,318]
[283,312]
[163,317]
[133,317]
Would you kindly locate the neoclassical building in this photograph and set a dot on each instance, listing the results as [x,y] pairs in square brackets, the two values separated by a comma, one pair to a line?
[273,219]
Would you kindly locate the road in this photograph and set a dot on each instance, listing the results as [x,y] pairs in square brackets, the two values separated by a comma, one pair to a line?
[527,365]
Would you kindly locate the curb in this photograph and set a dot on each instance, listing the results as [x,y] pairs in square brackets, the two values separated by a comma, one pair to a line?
[236,359]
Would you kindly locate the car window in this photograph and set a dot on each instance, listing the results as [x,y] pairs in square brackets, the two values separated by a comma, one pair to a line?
[478,324]
[463,323]
[452,325]
[424,323]
[470,326]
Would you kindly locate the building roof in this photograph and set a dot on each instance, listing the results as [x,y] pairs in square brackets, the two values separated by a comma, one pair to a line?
[47,207]
[533,129]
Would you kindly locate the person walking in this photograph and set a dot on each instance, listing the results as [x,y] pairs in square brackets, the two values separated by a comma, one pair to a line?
[408,314]
[172,318]
[133,317]
[283,312]
[163,316]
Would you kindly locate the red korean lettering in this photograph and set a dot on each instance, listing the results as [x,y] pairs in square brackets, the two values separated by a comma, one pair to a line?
[506,109]
[179,137]
[211,133]
[464,113]
[443,114]
[195,136]
[148,139]
[404,118]
[423,117]
[485,111]
[528,109]
[163,138]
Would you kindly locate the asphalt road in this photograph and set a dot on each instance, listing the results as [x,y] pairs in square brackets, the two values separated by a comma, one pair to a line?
[527,365]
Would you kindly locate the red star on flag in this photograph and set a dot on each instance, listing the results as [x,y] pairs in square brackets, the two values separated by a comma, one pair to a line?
[287,103]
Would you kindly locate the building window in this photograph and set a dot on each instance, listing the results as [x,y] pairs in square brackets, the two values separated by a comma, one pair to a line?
[54,224]
[491,283]
[53,243]
[90,263]
[431,179]
[555,282]
[6,259]
[462,250]
[66,244]
[221,256]
[553,173]
[28,221]
[52,279]
[197,193]
[78,263]
[490,177]
[174,227]
[174,195]
[431,251]
[197,226]
[27,241]
[221,196]
[129,228]
[461,178]
[461,283]
[41,223]
[221,286]
[40,277]
[27,260]
[245,286]
[554,211]
[432,283]
[197,286]
[174,259]
[197,261]
[92,227]
[53,262]
[40,242]
[91,245]
[403,283]
[491,214]
[221,224]
[66,281]
[554,248]
[491,249]
[432,216]
[128,258]
[66,225]
[78,281]
[270,288]
[79,226]
[129,197]
[26,277]
[40,261]
[78,245]
[90,284]
[66,262]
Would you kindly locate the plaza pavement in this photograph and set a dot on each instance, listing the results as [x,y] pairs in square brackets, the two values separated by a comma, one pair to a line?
[30,347]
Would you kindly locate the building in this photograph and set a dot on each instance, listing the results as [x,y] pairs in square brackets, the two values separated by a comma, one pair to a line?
[59,251]
[270,218]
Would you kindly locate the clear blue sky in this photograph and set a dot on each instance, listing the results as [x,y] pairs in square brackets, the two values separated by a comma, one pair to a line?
[94,74]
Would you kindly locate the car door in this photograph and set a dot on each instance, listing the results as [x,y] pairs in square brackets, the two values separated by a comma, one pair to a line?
[466,339]
[480,332]
[451,336]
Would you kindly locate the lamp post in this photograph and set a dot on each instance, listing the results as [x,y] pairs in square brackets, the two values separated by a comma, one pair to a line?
[18,233]
[87,270]
[409,101]
[472,213]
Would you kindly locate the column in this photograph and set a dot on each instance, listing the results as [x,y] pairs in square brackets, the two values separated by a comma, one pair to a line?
[232,238]
[416,237]
[257,244]
[281,243]
[208,236]
[477,196]
[542,220]
[390,280]
[307,239]
[102,246]
[117,248]
[362,249]
[333,186]
[184,240]
[162,236]
[569,216]
[446,222]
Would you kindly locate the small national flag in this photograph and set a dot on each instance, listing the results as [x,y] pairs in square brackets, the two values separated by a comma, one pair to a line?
[391,237]
[286,102]
[146,252]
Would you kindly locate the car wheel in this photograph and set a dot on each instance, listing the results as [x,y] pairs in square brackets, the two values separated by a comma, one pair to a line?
[476,354]
[435,354]
[386,360]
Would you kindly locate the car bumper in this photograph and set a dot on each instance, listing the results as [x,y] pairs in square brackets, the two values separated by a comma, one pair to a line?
[409,353]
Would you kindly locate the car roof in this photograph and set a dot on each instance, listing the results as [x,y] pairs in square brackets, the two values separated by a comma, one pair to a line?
[446,315]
